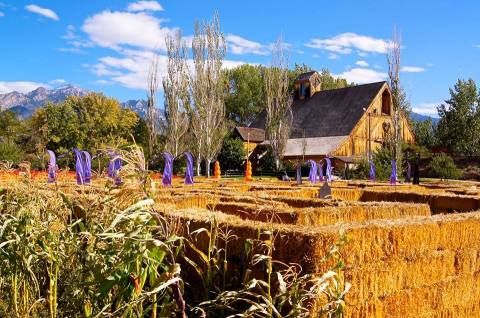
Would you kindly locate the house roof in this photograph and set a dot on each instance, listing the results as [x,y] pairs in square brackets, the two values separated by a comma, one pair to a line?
[252,134]
[328,113]
[317,146]
[305,76]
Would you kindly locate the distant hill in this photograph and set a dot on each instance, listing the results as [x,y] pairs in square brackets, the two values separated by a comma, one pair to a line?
[25,104]
[420,117]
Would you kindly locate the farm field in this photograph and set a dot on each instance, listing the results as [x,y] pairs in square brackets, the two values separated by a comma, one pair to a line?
[404,249]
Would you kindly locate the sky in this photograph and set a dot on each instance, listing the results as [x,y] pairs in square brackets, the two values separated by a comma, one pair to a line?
[107,46]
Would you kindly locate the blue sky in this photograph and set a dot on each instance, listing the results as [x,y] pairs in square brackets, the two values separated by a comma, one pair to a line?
[107,45]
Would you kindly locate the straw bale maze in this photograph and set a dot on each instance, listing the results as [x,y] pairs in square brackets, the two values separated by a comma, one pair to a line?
[412,251]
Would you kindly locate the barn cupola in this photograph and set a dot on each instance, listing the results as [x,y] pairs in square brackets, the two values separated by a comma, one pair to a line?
[307,84]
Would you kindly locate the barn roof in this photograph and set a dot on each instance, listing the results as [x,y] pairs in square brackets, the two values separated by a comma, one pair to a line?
[318,146]
[255,134]
[328,113]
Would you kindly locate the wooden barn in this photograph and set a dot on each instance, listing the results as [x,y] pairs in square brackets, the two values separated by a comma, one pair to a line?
[344,124]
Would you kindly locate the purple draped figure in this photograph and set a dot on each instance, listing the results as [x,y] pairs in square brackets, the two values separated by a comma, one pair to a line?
[329,170]
[393,175]
[87,167]
[372,171]
[52,167]
[320,170]
[168,169]
[114,167]
[189,170]
[79,167]
[312,176]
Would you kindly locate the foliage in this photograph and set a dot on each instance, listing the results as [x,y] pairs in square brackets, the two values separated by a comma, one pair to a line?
[444,167]
[278,107]
[267,162]
[459,125]
[11,152]
[281,290]
[89,123]
[176,93]
[232,154]
[207,114]
[245,93]
[10,125]
[424,132]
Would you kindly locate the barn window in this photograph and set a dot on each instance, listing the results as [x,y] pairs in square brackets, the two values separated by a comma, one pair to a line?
[386,103]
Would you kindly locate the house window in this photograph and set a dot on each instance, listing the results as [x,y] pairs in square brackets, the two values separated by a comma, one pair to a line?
[386,103]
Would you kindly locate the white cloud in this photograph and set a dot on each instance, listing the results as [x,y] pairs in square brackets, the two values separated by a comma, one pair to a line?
[58,81]
[412,69]
[362,75]
[333,56]
[362,63]
[131,70]
[145,6]
[239,45]
[428,109]
[316,56]
[2,14]
[20,86]
[71,50]
[477,46]
[300,52]
[344,44]
[48,13]
[116,29]
[70,34]
[75,42]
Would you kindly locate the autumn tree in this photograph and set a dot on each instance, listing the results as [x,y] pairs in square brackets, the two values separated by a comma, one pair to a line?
[176,94]
[208,111]
[89,123]
[279,99]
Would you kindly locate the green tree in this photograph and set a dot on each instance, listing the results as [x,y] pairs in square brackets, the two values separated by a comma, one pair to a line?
[424,132]
[232,154]
[10,125]
[10,151]
[245,94]
[459,125]
[89,123]
[444,167]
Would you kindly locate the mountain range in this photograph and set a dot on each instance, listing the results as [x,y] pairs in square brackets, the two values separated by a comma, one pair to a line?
[25,104]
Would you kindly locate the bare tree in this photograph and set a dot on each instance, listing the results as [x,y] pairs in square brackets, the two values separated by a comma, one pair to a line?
[279,100]
[208,113]
[176,93]
[393,60]
[151,113]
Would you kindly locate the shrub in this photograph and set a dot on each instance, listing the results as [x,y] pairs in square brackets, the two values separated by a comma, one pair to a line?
[10,151]
[232,154]
[444,167]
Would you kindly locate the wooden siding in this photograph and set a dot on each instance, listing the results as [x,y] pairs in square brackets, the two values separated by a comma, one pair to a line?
[357,144]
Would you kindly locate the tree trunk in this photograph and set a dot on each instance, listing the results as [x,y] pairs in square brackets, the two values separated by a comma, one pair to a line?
[208,161]
[199,162]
